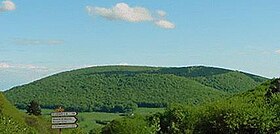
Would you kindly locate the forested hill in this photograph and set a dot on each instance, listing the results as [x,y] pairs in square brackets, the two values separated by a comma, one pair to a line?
[122,88]
[255,111]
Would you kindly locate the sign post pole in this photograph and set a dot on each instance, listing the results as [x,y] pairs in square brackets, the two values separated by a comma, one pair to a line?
[60,110]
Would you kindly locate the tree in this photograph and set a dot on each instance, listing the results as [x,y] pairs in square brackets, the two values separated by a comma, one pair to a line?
[128,125]
[33,108]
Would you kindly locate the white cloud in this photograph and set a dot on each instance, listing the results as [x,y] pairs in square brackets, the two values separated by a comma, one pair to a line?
[4,65]
[161,13]
[165,24]
[7,5]
[278,51]
[124,12]
[38,42]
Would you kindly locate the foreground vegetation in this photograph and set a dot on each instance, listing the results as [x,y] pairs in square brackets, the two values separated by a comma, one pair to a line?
[124,88]
[95,121]
[253,112]
[13,121]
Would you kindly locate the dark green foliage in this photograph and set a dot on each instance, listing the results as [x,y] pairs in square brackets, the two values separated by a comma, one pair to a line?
[218,78]
[256,78]
[231,82]
[274,89]
[124,88]
[237,117]
[96,130]
[170,122]
[33,108]
[127,125]
[101,122]
[245,113]
[195,71]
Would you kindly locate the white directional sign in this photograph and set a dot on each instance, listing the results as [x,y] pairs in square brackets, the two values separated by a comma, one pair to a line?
[65,126]
[61,120]
[64,114]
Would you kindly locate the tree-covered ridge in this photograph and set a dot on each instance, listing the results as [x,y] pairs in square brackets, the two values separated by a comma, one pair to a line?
[218,78]
[193,71]
[114,92]
[231,82]
[122,88]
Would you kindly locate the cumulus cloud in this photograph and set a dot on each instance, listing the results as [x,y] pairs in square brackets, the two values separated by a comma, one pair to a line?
[161,13]
[123,12]
[38,42]
[278,51]
[7,5]
[165,24]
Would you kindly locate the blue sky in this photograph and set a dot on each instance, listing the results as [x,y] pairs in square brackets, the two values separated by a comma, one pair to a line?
[39,38]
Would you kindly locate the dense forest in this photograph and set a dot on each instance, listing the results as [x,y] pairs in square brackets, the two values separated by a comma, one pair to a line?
[255,111]
[124,88]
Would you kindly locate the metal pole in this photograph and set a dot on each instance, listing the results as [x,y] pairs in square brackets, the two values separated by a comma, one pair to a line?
[60,130]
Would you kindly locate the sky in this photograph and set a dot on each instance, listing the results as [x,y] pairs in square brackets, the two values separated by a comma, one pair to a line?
[39,38]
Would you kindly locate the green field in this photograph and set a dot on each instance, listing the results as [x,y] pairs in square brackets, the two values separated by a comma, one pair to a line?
[89,120]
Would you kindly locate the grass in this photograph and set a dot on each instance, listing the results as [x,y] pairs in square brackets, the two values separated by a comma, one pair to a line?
[14,121]
[148,111]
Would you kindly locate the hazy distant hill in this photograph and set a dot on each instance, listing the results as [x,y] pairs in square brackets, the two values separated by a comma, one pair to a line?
[121,88]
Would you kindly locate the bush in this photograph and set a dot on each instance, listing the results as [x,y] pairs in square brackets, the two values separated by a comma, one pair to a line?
[245,113]
[33,108]
[127,125]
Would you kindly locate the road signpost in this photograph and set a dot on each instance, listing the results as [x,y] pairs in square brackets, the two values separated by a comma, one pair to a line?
[62,119]
[65,126]
[55,114]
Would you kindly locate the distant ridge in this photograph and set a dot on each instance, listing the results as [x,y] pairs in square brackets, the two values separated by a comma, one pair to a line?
[122,88]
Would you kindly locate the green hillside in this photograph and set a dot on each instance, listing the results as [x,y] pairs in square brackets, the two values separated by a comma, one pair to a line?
[13,121]
[231,82]
[255,111]
[122,88]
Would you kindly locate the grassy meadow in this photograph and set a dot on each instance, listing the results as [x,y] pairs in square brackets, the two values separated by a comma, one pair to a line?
[95,120]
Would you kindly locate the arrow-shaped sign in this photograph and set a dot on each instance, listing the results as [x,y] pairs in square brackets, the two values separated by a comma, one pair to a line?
[61,120]
[64,114]
[65,126]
